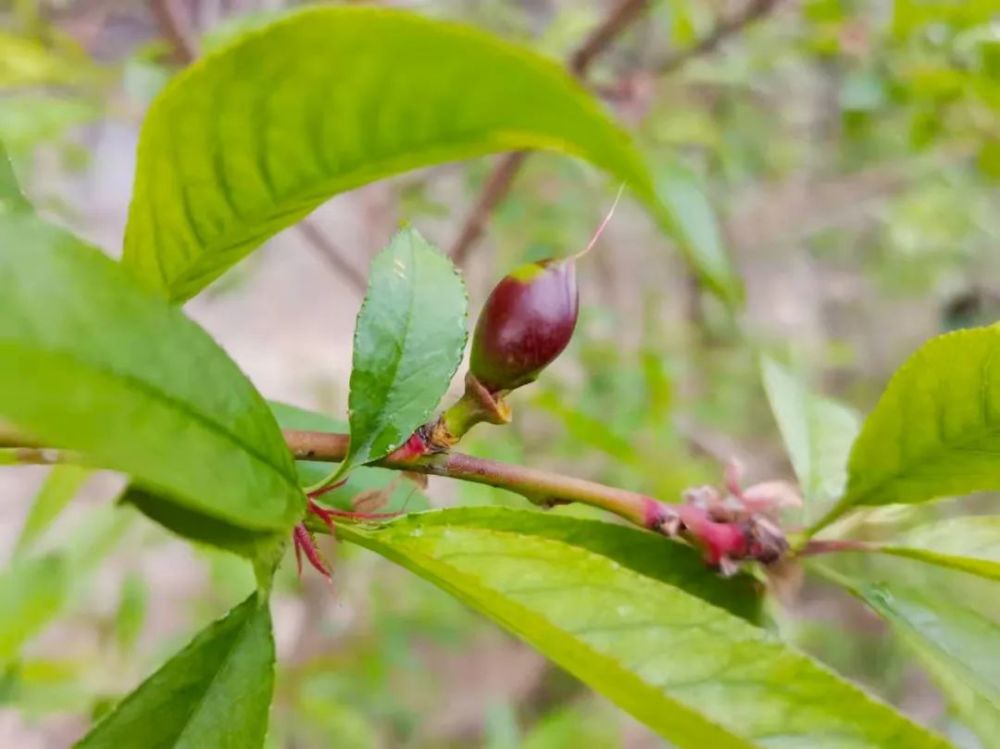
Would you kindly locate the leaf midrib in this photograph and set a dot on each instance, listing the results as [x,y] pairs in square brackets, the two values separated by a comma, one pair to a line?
[488,600]
[381,420]
[134,383]
[973,565]
[196,708]
[502,606]
[463,146]
[930,457]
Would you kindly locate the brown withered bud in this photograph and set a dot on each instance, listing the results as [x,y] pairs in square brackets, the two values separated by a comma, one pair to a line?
[527,321]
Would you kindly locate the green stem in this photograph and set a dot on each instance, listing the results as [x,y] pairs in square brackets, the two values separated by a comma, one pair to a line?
[476,405]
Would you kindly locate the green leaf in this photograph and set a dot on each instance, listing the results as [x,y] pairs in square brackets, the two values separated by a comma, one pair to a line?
[970,544]
[253,137]
[89,361]
[95,535]
[61,485]
[29,119]
[939,619]
[693,223]
[645,553]
[133,604]
[11,197]
[202,528]
[408,342]
[818,434]
[404,497]
[42,687]
[579,723]
[32,592]
[936,429]
[216,692]
[26,62]
[691,671]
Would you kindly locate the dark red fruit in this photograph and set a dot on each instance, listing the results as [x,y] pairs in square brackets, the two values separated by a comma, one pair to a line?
[526,323]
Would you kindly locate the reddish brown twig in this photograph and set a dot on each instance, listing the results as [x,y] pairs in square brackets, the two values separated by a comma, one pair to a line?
[623,14]
[331,254]
[176,29]
[724,527]
[817,546]
[494,191]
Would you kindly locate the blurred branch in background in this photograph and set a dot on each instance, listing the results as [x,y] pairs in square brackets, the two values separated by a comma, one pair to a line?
[724,28]
[500,179]
[177,31]
[616,22]
[625,12]
[331,253]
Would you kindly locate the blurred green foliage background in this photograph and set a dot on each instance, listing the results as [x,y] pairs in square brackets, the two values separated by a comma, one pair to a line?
[851,153]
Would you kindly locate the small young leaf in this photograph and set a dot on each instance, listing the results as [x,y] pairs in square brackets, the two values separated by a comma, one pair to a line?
[404,498]
[818,434]
[941,619]
[970,544]
[408,342]
[90,362]
[32,592]
[936,429]
[61,485]
[216,692]
[691,671]
[253,137]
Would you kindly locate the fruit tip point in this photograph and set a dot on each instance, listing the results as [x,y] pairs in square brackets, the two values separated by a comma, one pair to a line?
[601,226]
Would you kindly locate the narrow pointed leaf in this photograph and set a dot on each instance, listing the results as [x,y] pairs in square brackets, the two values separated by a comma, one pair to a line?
[61,485]
[817,432]
[693,223]
[970,544]
[91,362]
[255,136]
[936,430]
[408,342]
[694,673]
[32,592]
[216,692]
